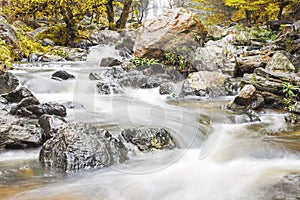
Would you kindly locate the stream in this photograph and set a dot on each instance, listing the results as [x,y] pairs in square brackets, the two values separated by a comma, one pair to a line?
[218,155]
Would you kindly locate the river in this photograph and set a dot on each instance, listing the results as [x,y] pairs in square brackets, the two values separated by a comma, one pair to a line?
[219,156]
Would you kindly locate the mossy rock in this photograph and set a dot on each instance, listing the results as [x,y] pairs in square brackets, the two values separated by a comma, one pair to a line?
[54,33]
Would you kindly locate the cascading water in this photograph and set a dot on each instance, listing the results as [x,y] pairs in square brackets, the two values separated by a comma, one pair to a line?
[215,158]
[156,7]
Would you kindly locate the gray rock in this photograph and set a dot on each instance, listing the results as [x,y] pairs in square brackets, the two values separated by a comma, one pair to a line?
[95,76]
[166,88]
[17,95]
[45,108]
[205,83]
[109,62]
[42,57]
[51,124]
[8,82]
[137,79]
[109,88]
[75,54]
[148,139]
[23,103]
[82,146]
[15,134]
[247,99]
[280,63]
[104,37]
[216,56]
[249,63]
[62,75]
[127,41]
[128,66]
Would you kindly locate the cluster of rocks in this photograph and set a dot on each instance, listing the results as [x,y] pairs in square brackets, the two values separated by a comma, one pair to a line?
[27,123]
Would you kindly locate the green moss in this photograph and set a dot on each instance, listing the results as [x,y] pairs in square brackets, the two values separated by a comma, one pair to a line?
[6,55]
[55,33]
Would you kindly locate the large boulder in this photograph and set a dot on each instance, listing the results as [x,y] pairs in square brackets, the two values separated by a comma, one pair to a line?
[82,146]
[170,32]
[247,98]
[205,83]
[280,63]
[8,82]
[216,56]
[149,139]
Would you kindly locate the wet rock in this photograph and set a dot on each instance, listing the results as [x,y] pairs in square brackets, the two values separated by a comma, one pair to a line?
[17,95]
[155,69]
[148,139]
[62,75]
[249,63]
[75,54]
[35,111]
[272,101]
[127,41]
[170,32]
[216,56]
[280,63]
[109,62]
[243,116]
[113,72]
[104,37]
[109,88]
[73,105]
[205,83]
[16,134]
[95,76]
[23,103]
[51,124]
[42,57]
[137,79]
[3,103]
[247,99]
[166,88]
[82,146]
[8,82]
[128,66]
[285,189]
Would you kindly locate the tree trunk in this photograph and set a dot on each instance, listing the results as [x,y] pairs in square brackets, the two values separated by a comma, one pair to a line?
[280,12]
[121,23]
[248,17]
[110,14]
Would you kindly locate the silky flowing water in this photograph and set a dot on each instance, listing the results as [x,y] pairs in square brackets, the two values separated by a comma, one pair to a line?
[218,155]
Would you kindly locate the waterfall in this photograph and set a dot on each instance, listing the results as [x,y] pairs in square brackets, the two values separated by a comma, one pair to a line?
[156,7]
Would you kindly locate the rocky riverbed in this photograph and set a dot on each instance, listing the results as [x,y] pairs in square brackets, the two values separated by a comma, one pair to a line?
[225,91]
